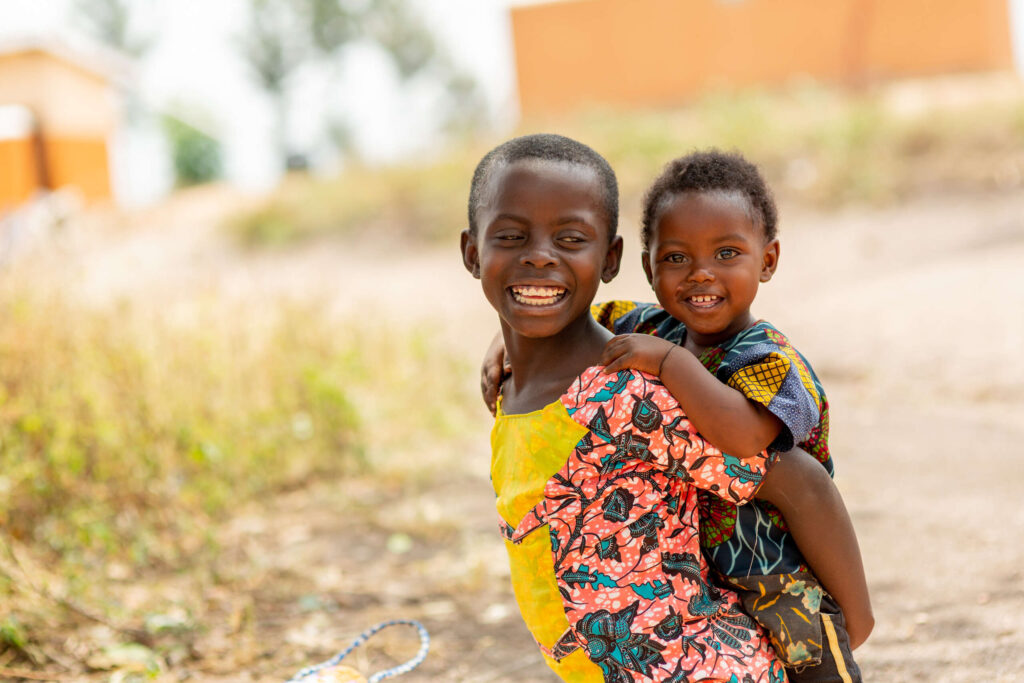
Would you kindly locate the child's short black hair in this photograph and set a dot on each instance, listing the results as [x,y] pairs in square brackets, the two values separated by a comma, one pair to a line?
[711,171]
[547,147]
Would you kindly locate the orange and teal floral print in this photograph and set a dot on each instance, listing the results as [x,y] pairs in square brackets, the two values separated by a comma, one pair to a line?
[606,564]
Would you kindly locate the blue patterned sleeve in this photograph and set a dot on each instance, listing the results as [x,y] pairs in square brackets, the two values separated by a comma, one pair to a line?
[764,367]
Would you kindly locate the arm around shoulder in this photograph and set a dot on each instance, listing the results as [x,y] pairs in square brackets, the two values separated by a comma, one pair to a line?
[728,419]
[818,519]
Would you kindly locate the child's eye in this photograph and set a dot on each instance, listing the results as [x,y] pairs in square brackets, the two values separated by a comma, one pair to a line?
[571,239]
[727,254]
[675,258]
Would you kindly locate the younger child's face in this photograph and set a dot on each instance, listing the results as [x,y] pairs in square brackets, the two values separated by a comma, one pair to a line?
[707,256]
[542,247]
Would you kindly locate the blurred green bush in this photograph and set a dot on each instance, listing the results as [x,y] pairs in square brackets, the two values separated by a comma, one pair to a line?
[195,155]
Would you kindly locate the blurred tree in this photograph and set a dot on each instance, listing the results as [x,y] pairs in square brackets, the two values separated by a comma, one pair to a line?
[402,35]
[275,46]
[331,23]
[466,110]
[196,154]
[110,22]
[285,35]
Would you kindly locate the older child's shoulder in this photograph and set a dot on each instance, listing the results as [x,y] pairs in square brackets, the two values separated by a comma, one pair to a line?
[628,400]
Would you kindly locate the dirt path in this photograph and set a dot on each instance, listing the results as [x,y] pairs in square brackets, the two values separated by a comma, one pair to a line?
[912,316]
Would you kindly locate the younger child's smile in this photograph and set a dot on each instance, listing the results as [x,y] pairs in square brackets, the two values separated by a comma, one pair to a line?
[704,300]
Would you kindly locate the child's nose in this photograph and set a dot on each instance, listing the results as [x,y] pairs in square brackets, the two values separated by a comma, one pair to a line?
[701,274]
[539,256]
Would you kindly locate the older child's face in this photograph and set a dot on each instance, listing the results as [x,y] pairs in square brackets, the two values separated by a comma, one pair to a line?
[706,259]
[542,246]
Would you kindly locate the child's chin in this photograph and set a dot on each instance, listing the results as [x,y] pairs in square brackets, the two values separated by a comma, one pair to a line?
[700,324]
[535,328]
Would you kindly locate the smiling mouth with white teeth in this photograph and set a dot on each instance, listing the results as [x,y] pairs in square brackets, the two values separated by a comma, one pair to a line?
[537,296]
[704,300]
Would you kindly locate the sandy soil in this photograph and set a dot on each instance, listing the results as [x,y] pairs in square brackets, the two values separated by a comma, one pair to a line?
[913,316]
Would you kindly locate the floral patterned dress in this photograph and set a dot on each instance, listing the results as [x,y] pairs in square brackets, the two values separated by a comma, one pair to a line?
[597,495]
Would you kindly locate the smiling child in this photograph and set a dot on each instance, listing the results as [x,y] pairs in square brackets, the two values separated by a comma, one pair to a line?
[709,239]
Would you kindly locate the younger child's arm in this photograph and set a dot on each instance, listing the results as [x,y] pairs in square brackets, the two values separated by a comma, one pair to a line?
[723,415]
[817,517]
[493,371]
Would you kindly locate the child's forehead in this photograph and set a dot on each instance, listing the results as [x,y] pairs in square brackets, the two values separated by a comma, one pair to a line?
[702,203]
[525,181]
[530,168]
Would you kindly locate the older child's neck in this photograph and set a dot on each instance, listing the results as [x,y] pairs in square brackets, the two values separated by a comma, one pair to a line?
[542,369]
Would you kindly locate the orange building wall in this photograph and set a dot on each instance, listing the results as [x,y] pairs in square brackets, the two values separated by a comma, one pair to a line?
[77,162]
[19,173]
[81,162]
[654,52]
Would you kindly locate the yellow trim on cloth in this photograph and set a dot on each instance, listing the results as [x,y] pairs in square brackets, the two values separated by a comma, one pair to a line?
[833,645]
[526,451]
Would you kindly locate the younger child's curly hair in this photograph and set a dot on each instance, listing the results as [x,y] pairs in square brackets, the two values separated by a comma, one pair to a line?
[711,171]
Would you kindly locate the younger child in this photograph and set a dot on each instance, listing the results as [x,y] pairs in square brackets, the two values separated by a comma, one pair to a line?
[607,467]
[709,239]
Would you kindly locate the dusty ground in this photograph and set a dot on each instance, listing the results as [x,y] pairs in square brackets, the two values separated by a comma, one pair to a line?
[913,316]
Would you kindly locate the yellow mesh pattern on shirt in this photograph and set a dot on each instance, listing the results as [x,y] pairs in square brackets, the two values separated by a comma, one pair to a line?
[761,381]
[608,312]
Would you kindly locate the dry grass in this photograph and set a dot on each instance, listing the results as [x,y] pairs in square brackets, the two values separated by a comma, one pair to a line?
[129,433]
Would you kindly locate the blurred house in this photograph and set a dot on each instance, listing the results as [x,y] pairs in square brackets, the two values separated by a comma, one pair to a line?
[58,112]
[660,52]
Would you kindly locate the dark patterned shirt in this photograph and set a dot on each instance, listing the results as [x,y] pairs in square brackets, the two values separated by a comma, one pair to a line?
[761,364]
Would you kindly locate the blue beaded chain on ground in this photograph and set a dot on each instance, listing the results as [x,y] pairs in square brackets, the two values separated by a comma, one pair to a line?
[332,671]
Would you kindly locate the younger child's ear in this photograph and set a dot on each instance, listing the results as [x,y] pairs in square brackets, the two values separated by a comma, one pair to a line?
[470,254]
[645,261]
[770,260]
[612,260]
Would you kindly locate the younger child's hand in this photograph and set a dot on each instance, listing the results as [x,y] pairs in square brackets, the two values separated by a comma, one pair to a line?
[493,371]
[638,351]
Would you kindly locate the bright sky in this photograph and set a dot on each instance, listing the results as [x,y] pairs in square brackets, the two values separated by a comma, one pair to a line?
[194,65]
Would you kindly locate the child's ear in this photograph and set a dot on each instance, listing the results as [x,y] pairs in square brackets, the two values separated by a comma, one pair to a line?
[470,253]
[645,261]
[612,260]
[769,260]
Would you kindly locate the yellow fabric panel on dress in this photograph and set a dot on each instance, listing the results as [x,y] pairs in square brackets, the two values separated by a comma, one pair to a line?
[526,451]
[761,381]
[540,603]
[576,668]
